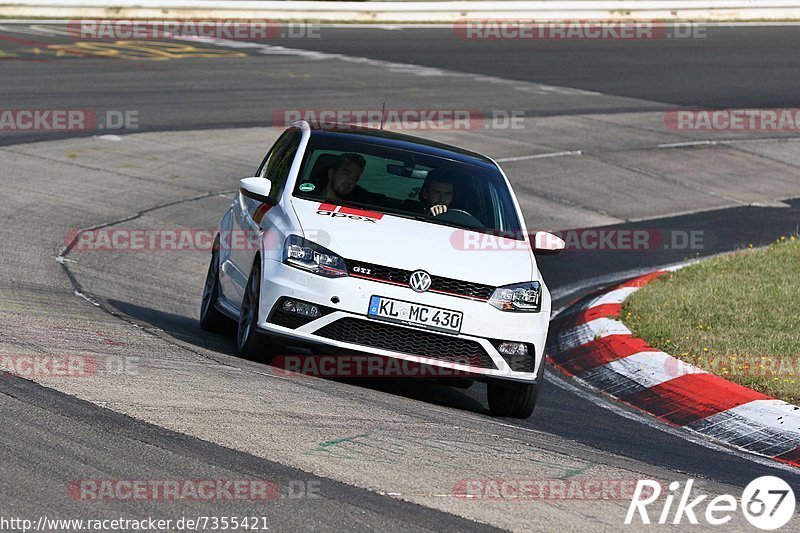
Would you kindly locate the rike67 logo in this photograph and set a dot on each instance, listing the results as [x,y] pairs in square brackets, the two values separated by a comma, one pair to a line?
[767,503]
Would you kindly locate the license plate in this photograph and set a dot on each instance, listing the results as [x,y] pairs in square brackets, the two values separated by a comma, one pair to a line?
[426,316]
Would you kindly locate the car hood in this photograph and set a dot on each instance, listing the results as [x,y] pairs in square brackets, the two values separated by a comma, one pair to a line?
[399,242]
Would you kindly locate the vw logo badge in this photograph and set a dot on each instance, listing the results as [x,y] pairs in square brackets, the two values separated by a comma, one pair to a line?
[420,281]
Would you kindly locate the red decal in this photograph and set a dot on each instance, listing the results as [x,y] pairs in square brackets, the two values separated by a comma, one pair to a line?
[260,212]
[350,211]
[360,212]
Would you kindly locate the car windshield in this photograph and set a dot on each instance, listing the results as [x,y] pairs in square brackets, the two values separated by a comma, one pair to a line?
[408,184]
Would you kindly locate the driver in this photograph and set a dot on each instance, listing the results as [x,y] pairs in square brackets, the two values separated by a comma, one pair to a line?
[343,176]
[435,196]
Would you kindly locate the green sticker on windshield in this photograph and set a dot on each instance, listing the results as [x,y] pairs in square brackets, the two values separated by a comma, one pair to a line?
[307,187]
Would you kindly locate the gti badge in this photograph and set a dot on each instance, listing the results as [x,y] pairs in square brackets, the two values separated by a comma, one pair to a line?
[420,281]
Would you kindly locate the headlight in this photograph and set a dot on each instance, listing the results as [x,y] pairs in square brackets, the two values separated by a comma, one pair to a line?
[524,297]
[310,256]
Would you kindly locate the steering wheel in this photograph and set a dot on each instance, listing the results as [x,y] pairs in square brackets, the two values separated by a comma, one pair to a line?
[461,218]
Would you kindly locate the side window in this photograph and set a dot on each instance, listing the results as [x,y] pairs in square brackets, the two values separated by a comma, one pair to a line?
[277,164]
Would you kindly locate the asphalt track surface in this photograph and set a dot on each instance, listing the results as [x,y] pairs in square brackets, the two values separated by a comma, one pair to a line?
[716,71]
[51,438]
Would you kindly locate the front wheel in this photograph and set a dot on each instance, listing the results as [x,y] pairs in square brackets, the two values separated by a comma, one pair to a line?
[211,319]
[249,342]
[512,399]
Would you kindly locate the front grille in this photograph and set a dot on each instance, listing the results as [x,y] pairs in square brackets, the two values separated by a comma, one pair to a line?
[409,341]
[464,289]
[292,320]
[461,288]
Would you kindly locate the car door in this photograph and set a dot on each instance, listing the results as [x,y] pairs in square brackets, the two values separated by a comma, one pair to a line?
[251,216]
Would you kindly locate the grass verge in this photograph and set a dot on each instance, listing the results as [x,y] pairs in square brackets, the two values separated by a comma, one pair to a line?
[737,316]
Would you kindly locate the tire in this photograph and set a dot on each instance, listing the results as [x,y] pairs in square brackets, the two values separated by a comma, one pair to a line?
[513,399]
[211,319]
[250,343]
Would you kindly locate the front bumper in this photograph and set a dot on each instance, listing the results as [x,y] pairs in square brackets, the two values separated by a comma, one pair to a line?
[346,328]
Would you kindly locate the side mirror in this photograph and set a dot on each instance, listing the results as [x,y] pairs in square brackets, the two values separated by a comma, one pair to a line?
[256,188]
[547,243]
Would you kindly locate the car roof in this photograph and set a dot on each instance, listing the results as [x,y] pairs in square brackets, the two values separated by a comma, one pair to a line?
[399,140]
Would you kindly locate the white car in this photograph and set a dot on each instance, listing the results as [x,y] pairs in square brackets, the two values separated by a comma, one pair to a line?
[355,240]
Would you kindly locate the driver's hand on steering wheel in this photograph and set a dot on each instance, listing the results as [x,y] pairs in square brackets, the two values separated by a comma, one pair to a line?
[438,209]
